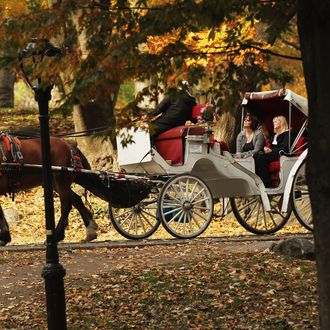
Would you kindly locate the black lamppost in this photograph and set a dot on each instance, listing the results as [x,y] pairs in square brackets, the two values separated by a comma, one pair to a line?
[53,273]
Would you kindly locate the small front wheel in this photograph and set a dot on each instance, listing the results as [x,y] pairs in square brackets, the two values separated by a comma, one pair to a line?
[250,213]
[185,206]
[137,222]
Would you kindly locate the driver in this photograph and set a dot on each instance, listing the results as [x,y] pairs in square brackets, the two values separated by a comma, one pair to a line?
[173,111]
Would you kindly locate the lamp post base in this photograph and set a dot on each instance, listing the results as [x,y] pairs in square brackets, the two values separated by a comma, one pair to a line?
[53,273]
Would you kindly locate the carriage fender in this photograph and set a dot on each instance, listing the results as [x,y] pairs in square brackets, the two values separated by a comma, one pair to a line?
[255,177]
[289,182]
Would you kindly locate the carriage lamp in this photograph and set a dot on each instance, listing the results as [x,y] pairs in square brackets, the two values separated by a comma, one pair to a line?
[34,60]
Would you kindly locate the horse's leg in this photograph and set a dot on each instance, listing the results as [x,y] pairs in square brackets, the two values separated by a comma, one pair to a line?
[64,192]
[4,229]
[87,216]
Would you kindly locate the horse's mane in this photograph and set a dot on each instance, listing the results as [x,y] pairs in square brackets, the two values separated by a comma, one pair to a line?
[74,147]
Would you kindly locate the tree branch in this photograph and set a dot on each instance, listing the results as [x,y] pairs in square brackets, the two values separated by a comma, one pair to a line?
[295,46]
[268,51]
[229,51]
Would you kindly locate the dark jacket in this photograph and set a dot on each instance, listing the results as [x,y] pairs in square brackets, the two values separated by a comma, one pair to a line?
[174,112]
[282,143]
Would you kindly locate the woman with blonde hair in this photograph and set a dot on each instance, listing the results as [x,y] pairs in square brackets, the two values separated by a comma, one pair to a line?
[279,142]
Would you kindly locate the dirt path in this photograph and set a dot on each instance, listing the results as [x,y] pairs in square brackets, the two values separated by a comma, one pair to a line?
[21,274]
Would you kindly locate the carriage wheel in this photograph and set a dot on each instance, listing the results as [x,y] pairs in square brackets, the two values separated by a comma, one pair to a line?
[301,203]
[185,206]
[250,213]
[139,221]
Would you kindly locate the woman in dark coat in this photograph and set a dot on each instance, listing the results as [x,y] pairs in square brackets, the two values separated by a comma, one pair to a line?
[278,143]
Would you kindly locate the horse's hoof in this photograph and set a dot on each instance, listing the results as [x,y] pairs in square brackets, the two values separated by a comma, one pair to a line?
[90,235]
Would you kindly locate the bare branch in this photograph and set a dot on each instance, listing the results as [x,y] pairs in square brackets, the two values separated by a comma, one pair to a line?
[291,44]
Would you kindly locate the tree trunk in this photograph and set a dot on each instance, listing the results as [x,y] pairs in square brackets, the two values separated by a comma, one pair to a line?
[99,150]
[314,31]
[7,80]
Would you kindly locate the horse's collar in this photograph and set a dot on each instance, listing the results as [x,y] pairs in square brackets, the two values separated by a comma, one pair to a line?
[13,145]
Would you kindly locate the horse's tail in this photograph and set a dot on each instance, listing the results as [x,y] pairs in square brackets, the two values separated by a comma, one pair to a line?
[89,181]
[118,193]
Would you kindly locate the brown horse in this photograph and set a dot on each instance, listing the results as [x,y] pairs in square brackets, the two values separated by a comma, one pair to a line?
[18,178]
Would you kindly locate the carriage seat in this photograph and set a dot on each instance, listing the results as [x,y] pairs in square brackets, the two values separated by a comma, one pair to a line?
[274,167]
[170,144]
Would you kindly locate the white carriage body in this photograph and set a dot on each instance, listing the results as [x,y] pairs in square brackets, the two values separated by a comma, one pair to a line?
[224,175]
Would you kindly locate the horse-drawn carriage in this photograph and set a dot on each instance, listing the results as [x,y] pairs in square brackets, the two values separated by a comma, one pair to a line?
[176,181]
[190,171]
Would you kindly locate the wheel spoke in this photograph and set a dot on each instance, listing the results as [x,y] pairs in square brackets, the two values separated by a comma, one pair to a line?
[202,190]
[146,219]
[272,218]
[174,217]
[257,218]
[247,216]
[172,199]
[130,223]
[148,213]
[195,220]
[264,215]
[246,205]
[178,222]
[199,215]
[184,223]
[172,211]
[192,191]
[200,201]
[125,219]
[201,207]
[167,203]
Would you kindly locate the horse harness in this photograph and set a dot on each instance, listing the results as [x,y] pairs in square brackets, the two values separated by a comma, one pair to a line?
[12,145]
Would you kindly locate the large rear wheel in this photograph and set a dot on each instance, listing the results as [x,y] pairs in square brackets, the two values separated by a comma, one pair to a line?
[301,203]
[185,206]
[250,213]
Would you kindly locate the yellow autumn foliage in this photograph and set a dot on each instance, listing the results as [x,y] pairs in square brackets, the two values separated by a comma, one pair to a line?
[11,8]
[214,48]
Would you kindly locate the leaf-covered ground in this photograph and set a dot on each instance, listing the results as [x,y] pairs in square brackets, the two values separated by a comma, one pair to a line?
[198,285]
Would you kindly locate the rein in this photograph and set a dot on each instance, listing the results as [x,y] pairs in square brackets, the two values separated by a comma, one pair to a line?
[87,132]
[116,175]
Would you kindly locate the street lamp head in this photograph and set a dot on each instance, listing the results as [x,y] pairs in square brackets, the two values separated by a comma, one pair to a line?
[40,47]
[34,53]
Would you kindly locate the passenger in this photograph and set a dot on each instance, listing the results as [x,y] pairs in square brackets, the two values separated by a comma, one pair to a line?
[173,111]
[278,143]
[250,140]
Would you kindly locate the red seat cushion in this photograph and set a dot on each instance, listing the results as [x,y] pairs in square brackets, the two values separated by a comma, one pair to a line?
[274,166]
[170,144]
